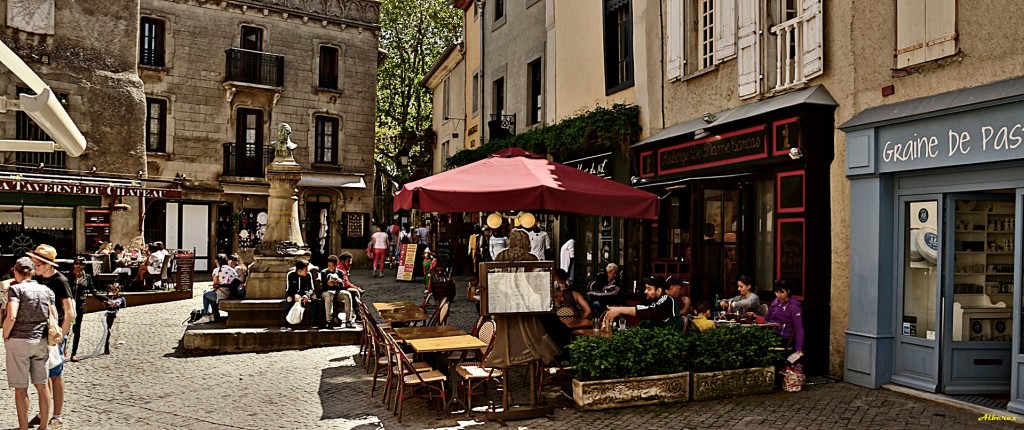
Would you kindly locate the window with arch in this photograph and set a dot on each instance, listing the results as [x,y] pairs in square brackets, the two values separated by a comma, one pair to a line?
[325,143]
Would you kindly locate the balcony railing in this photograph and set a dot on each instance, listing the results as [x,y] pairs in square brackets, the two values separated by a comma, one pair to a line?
[255,67]
[501,126]
[247,160]
[789,53]
[151,57]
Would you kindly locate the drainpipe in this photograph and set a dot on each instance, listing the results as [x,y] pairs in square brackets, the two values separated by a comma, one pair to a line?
[483,82]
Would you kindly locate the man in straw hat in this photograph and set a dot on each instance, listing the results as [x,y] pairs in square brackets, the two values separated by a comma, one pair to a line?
[45,259]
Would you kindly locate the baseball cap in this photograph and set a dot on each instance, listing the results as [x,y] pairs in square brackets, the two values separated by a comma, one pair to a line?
[675,280]
[656,281]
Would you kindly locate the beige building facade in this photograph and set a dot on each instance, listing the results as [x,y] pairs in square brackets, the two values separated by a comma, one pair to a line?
[85,51]
[447,81]
[220,77]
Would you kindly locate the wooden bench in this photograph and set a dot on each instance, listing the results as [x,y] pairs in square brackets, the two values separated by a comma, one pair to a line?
[257,312]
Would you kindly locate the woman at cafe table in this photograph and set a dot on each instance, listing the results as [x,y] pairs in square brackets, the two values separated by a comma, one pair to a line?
[786,312]
[661,310]
[567,297]
[746,301]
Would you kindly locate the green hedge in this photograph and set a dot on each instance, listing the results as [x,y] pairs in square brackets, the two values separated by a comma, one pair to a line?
[644,352]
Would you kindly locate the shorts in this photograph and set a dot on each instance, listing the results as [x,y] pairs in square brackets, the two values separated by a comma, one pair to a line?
[58,370]
[26,362]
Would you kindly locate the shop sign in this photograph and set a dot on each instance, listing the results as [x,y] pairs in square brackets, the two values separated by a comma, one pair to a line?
[980,136]
[600,165]
[51,187]
[742,145]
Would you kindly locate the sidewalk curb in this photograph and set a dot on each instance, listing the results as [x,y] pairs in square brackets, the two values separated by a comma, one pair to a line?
[959,404]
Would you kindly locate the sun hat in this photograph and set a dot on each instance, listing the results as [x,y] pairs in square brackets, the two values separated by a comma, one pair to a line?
[44,253]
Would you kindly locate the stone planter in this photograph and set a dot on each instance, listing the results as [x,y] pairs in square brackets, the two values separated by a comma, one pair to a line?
[620,393]
[732,383]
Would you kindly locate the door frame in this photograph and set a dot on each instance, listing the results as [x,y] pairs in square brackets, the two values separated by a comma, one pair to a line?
[1017,361]
[910,348]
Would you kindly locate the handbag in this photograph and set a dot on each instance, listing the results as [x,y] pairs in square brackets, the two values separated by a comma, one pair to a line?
[54,335]
[295,313]
[55,358]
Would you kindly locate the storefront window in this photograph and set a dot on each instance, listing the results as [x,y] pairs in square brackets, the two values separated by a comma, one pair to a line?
[765,240]
[920,274]
[983,270]
[721,256]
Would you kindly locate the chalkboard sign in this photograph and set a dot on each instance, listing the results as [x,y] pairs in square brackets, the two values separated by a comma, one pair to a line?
[354,229]
[790,254]
[443,253]
[184,273]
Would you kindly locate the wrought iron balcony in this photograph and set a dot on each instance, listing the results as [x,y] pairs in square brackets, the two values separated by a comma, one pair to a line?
[247,160]
[151,57]
[501,126]
[255,67]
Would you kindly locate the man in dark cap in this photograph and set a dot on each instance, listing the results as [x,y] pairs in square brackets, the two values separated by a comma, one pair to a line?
[661,310]
[675,291]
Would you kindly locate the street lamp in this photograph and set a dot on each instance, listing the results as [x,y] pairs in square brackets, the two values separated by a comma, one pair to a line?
[403,157]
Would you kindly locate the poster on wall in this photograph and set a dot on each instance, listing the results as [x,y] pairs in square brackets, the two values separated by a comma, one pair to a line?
[924,234]
[406,261]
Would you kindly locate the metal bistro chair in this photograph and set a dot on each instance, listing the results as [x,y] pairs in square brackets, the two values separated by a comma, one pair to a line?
[410,380]
[477,374]
[567,314]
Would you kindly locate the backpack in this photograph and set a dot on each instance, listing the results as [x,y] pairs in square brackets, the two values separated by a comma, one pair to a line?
[237,290]
[193,316]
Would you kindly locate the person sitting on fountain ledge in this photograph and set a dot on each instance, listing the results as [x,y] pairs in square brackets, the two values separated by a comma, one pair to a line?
[298,286]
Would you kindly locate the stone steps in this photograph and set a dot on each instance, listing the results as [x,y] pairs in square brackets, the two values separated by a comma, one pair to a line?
[217,338]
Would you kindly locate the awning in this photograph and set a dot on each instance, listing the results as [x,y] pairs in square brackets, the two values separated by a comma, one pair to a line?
[10,215]
[49,218]
[256,190]
[816,95]
[925,107]
[332,180]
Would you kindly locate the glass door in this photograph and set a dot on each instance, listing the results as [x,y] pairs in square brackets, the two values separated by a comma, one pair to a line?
[916,361]
[978,293]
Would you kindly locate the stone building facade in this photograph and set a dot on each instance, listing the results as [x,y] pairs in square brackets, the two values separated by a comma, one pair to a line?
[86,52]
[219,79]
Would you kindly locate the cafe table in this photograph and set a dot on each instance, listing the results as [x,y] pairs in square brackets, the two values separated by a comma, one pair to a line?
[440,331]
[593,332]
[404,316]
[390,306]
[462,342]
[727,323]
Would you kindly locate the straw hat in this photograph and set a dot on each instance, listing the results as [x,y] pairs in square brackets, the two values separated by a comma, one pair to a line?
[44,253]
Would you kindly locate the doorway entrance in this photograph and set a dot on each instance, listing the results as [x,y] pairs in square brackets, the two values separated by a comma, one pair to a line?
[318,231]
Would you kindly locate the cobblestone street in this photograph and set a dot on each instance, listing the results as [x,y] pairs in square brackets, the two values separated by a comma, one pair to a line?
[147,383]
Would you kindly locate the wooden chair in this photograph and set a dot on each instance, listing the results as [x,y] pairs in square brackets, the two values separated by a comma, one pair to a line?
[435,318]
[410,380]
[382,358]
[476,374]
[763,309]
[394,371]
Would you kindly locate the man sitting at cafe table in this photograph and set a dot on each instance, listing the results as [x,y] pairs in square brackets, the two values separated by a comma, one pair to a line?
[675,291]
[660,311]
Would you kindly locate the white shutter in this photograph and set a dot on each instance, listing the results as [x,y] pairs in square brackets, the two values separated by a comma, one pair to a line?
[725,30]
[813,40]
[940,33]
[749,52]
[674,39]
[910,32]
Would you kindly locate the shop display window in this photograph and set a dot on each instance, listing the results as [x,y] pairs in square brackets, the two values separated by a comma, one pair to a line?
[983,245]
[920,273]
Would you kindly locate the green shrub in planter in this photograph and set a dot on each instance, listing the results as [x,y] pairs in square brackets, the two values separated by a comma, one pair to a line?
[729,348]
[629,353]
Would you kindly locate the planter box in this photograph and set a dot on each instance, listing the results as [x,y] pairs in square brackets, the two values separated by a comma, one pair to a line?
[732,383]
[620,393]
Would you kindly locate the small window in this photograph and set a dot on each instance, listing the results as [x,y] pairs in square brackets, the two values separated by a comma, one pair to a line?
[151,42]
[618,45]
[499,96]
[326,140]
[328,68]
[446,98]
[156,125]
[707,33]
[499,9]
[476,92]
[27,129]
[252,38]
[445,152]
[925,31]
[536,91]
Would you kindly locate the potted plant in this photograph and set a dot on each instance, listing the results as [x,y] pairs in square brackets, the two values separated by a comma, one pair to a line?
[633,367]
[732,362]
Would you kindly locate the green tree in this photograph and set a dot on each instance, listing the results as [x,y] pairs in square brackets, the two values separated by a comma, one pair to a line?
[414,34]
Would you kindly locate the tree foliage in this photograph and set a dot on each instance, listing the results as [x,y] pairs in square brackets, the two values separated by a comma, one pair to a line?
[414,34]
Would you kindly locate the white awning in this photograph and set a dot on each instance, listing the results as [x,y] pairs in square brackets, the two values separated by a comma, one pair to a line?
[332,180]
[257,190]
[49,218]
[10,215]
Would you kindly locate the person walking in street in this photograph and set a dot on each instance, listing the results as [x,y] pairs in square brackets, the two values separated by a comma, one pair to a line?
[113,305]
[45,259]
[83,287]
[24,334]
[380,250]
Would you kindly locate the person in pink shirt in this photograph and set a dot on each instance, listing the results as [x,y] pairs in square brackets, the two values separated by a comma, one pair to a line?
[380,250]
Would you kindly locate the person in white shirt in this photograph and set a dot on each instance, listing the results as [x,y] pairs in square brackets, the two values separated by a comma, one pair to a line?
[497,243]
[565,257]
[380,251]
[539,243]
[223,276]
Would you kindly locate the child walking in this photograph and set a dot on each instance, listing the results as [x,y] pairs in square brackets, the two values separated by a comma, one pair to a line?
[113,305]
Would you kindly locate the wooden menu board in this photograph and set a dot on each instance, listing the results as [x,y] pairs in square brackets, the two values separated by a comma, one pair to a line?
[406,261]
[184,273]
[97,228]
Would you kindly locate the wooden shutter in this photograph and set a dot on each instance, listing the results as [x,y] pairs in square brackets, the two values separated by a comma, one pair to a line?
[749,51]
[813,40]
[910,32]
[940,32]
[674,39]
[725,30]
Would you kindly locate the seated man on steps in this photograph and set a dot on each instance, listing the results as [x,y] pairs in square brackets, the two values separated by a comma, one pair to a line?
[334,290]
[345,267]
[298,286]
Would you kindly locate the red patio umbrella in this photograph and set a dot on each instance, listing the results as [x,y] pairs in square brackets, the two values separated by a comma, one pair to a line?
[515,179]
